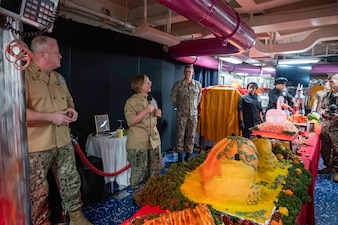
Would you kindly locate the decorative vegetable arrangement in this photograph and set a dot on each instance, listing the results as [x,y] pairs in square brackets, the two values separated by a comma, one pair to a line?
[232,155]
[165,190]
[200,215]
[298,118]
[314,117]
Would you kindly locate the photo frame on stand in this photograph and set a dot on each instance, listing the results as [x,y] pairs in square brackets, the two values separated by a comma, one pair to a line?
[102,123]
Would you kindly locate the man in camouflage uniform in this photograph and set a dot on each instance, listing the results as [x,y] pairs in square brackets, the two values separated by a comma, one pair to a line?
[50,109]
[329,132]
[185,96]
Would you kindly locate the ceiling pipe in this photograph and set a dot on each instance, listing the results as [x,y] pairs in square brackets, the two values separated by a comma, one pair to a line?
[232,36]
[217,17]
[202,47]
[212,63]
[324,34]
[324,68]
[71,5]
[203,61]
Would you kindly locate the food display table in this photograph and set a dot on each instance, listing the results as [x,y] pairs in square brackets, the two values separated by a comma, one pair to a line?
[310,154]
[113,152]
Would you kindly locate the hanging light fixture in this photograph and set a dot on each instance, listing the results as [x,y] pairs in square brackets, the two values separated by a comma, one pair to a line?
[297,61]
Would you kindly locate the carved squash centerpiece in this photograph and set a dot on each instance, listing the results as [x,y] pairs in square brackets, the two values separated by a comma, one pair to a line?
[239,177]
[233,160]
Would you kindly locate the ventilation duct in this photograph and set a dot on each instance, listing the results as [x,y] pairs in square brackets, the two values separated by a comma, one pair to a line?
[324,68]
[232,35]
[212,63]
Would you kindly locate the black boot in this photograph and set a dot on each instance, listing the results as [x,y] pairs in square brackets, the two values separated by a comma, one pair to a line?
[326,170]
[187,156]
[179,156]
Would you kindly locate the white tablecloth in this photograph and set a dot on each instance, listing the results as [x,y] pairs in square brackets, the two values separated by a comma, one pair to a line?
[113,152]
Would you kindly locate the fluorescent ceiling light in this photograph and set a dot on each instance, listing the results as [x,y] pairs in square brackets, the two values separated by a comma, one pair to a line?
[231,59]
[297,61]
[242,74]
[269,69]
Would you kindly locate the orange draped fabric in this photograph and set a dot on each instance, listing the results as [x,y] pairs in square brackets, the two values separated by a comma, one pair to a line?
[218,112]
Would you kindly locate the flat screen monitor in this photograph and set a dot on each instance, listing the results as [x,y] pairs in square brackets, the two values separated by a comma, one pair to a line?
[11,7]
[296,74]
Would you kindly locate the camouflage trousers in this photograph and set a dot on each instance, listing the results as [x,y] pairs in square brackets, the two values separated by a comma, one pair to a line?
[62,163]
[185,133]
[326,149]
[144,164]
[334,153]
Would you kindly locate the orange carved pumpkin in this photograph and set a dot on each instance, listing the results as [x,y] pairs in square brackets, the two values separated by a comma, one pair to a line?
[230,148]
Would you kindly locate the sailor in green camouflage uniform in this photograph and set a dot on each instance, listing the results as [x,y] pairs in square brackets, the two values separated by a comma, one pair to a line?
[185,96]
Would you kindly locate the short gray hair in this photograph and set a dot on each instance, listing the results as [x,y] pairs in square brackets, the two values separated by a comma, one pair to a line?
[40,43]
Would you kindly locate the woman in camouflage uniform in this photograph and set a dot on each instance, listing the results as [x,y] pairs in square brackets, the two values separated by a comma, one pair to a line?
[143,140]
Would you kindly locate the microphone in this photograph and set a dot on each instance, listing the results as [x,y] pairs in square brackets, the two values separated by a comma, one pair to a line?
[149,99]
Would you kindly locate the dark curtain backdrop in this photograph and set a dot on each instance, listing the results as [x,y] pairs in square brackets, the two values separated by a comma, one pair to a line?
[98,65]
[207,77]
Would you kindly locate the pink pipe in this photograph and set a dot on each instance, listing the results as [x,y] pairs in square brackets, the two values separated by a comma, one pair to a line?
[212,63]
[203,61]
[217,17]
[325,68]
[232,35]
[204,47]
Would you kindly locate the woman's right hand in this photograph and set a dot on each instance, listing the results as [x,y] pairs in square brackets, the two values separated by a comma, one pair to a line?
[150,108]
[158,112]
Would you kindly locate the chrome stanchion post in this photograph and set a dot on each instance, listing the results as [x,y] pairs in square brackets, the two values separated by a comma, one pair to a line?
[14,183]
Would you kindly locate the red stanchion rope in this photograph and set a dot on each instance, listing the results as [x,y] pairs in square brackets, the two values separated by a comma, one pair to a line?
[91,166]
